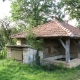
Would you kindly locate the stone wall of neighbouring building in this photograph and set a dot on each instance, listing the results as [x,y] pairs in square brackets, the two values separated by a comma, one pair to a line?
[22,53]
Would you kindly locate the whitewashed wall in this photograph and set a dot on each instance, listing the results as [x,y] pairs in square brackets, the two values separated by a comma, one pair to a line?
[29,55]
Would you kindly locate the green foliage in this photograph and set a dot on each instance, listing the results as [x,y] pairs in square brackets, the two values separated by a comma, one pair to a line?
[2,42]
[6,30]
[5,37]
[12,70]
[32,39]
[3,53]
[34,42]
[78,26]
[37,11]
[72,7]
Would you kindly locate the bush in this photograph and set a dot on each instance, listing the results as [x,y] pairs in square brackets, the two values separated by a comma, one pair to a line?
[3,53]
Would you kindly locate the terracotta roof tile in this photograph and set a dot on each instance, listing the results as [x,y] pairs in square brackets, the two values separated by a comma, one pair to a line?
[54,28]
[19,35]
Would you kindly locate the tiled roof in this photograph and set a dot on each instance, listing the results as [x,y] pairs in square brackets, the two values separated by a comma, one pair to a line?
[54,28]
[19,35]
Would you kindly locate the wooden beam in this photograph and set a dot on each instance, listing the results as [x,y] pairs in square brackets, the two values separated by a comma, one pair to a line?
[67,50]
[75,43]
[63,44]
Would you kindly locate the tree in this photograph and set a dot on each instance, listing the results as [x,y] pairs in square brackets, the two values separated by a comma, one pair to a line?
[72,7]
[34,42]
[6,30]
[2,42]
[35,11]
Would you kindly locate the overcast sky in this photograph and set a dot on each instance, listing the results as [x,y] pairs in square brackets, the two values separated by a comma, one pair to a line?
[5,8]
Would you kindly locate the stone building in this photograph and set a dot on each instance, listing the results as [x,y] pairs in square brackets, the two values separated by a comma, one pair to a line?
[61,44]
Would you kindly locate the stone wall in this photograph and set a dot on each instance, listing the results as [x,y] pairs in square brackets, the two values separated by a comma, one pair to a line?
[21,42]
[73,50]
[52,47]
[29,55]
[8,52]
[23,54]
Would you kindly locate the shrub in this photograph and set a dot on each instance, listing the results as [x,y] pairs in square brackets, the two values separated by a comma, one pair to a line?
[3,53]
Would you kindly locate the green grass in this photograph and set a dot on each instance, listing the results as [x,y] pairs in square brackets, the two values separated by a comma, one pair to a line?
[12,70]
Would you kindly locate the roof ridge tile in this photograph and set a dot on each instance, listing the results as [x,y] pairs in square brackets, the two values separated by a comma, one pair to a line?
[67,30]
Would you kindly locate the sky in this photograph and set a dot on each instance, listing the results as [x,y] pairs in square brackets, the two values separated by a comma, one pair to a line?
[5,9]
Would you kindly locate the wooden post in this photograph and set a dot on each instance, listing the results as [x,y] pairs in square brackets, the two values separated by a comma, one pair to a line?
[67,50]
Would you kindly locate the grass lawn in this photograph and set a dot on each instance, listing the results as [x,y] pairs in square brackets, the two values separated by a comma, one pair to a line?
[12,70]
